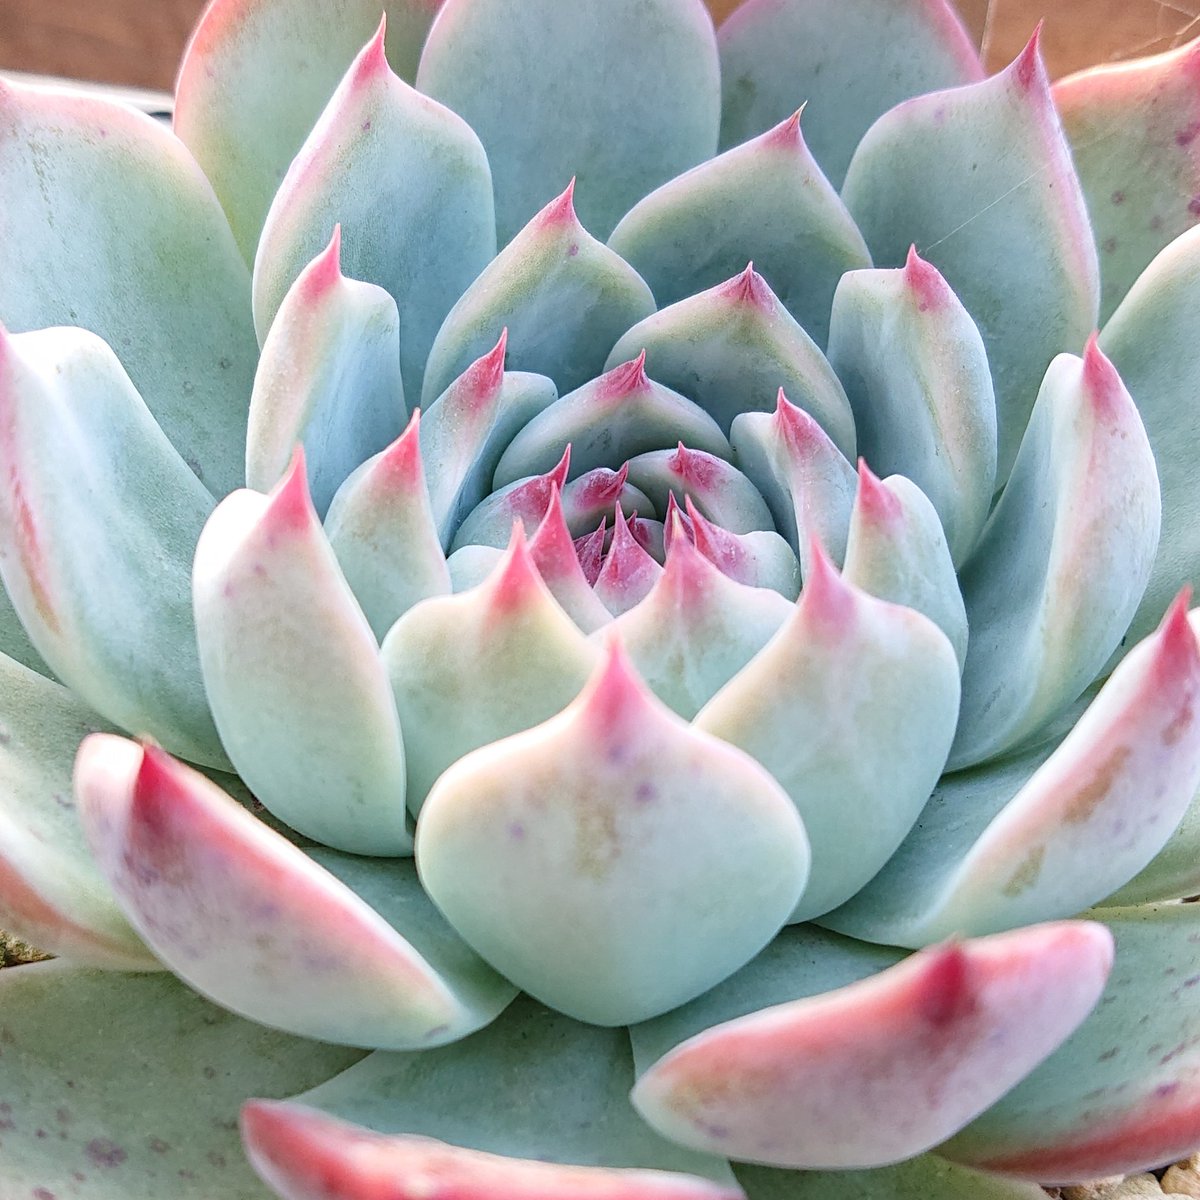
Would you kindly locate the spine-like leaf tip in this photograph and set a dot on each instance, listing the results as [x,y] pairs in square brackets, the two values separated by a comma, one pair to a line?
[290,506]
[600,488]
[749,288]
[401,462]
[154,785]
[560,211]
[787,134]
[558,474]
[695,468]
[675,523]
[624,380]
[876,502]
[826,600]
[589,550]
[799,432]
[1101,383]
[485,375]
[626,559]
[926,283]
[371,62]
[325,271]
[948,994]
[615,700]
[718,545]
[515,579]
[1027,69]
[1178,656]
[686,570]
[551,546]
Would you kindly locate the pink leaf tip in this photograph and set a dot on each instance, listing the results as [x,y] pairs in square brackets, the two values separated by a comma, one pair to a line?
[787,134]
[877,503]
[560,211]
[589,549]
[925,282]
[1102,384]
[325,271]
[749,288]
[515,580]
[1027,68]
[372,59]
[1179,652]
[401,461]
[615,700]
[290,506]
[485,375]
[624,380]
[826,599]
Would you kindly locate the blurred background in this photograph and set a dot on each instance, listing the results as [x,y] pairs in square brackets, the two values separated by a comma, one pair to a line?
[138,42]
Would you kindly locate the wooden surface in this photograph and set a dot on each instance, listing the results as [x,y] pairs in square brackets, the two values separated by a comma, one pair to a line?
[139,41]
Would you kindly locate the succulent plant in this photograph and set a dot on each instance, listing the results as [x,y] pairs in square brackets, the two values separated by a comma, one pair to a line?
[611,721]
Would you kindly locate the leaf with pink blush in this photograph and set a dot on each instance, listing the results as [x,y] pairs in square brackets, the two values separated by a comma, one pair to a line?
[874,1071]
[109,224]
[826,707]
[255,78]
[526,499]
[260,927]
[293,673]
[1063,562]
[731,348]
[1121,1095]
[472,668]
[594,495]
[625,95]
[848,64]
[758,559]
[628,573]
[1048,832]
[563,296]
[1134,129]
[613,862]
[980,179]
[558,1094]
[328,378]
[765,201]
[609,420]
[409,184]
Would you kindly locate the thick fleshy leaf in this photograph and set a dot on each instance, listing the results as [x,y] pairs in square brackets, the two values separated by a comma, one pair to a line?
[624,94]
[563,296]
[557,1092]
[51,893]
[697,628]
[765,201]
[779,54]
[615,861]
[732,348]
[961,173]
[1135,135]
[915,370]
[926,1177]
[118,539]
[885,1068]
[628,573]
[1063,562]
[1152,340]
[896,550]
[526,500]
[256,77]
[329,379]
[409,183]
[607,421]
[594,497]
[251,921]
[1121,1095]
[1050,832]
[293,673]
[382,529]
[759,559]
[14,640]
[1174,872]
[827,708]
[466,429]
[717,489]
[553,552]
[472,668]
[806,481]
[108,224]
[127,1087]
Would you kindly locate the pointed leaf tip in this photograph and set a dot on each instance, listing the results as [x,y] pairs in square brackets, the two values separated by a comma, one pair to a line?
[557,475]
[749,288]
[626,379]
[1104,386]
[485,375]
[1027,68]
[560,211]
[926,282]
[403,457]
[291,505]
[372,61]
[875,501]
[325,271]
[615,699]
[516,578]
[1179,654]
[826,598]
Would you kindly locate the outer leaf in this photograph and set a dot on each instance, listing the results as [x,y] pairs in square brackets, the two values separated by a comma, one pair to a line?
[409,183]
[613,862]
[329,378]
[1151,340]
[51,893]
[1121,1095]
[78,174]
[255,79]
[293,673]
[1049,832]
[558,1092]
[250,920]
[732,348]
[148,1108]
[850,64]
[766,200]
[625,95]
[381,527]
[881,1069]
[1133,128]
[917,376]
[563,296]
[609,420]
[827,708]
[119,539]
[963,173]
[472,668]
[1064,560]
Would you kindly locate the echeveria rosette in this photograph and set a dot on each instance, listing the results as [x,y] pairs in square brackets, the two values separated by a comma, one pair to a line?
[680,708]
